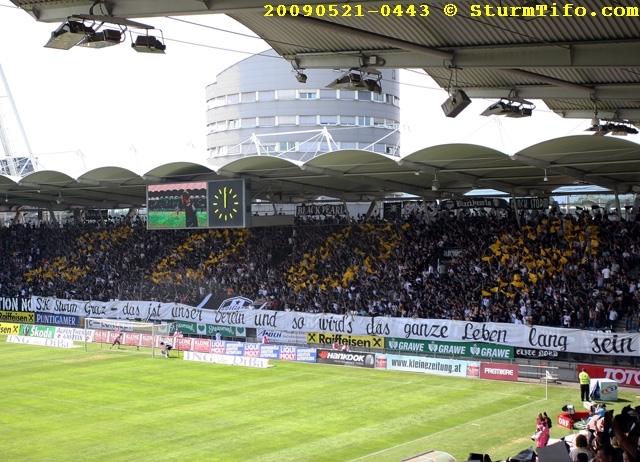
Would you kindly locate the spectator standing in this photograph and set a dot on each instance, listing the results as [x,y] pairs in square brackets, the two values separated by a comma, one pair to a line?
[613,317]
[585,380]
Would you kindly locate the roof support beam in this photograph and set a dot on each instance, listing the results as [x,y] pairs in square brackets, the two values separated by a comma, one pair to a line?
[614,92]
[568,171]
[471,180]
[550,80]
[603,114]
[384,185]
[410,55]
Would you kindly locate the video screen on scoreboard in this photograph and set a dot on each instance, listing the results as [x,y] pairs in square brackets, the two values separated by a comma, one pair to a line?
[177,205]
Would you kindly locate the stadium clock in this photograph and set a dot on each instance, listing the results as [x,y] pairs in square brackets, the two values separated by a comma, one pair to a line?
[227,204]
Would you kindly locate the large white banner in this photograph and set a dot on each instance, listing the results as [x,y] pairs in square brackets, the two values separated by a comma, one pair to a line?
[539,337]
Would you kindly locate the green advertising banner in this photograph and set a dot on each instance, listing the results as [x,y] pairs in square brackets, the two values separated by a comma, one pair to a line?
[194,328]
[460,349]
[38,331]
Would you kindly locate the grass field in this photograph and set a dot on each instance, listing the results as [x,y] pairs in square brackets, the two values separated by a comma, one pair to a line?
[122,405]
[157,219]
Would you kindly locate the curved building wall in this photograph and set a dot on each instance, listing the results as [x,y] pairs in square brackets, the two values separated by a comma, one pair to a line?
[261,95]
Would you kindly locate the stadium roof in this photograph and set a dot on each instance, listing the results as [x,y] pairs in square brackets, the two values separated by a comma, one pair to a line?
[579,62]
[610,163]
[579,59]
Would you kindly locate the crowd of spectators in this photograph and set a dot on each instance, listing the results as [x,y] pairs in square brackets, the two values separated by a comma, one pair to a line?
[545,269]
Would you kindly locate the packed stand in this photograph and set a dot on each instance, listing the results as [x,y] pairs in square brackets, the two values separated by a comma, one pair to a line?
[554,270]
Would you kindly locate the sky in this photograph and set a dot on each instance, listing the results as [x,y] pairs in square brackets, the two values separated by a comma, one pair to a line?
[87,108]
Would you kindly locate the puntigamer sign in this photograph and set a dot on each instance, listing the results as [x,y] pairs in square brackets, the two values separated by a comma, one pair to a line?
[460,349]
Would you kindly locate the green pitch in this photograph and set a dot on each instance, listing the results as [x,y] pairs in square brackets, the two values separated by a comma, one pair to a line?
[173,219]
[122,405]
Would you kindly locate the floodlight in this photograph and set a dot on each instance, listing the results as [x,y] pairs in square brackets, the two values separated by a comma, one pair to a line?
[359,79]
[348,81]
[68,35]
[148,44]
[455,104]
[102,39]
[60,199]
[615,129]
[373,85]
[436,184]
[622,130]
[301,77]
[512,107]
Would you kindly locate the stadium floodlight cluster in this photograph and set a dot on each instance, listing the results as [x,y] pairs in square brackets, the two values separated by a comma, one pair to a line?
[134,333]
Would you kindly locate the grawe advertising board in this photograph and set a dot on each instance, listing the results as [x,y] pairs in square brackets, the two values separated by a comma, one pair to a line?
[346,358]
[461,349]
[499,371]
[449,367]
[625,376]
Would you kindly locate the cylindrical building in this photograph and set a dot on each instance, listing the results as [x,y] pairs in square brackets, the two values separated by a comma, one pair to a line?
[259,106]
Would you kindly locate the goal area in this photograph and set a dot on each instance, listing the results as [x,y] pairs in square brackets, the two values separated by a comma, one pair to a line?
[134,334]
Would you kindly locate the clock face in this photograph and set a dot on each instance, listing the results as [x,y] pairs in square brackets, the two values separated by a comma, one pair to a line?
[226,203]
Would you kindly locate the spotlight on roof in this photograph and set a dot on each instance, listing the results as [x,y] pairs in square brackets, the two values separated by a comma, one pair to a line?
[512,107]
[148,44]
[436,184]
[364,79]
[68,35]
[455,104]
[102,39]
[60,199]
[616,129]
[301,77]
